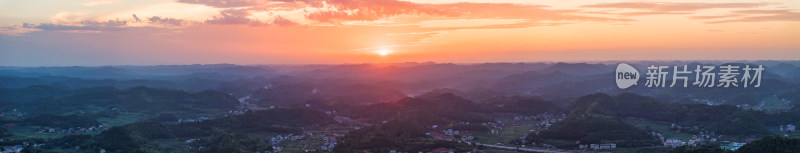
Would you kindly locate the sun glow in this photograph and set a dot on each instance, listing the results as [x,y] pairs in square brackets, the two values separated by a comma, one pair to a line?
[384,52]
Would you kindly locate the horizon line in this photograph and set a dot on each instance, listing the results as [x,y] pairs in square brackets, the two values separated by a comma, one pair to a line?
[414,62]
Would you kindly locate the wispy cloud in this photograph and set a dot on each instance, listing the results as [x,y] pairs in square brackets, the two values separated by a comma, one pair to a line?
[17,30]
[226,3]
[233,16]
[83,26]
[280,21]
[166,21]
[736,12]
[759,16]
[662,7]
[136,19]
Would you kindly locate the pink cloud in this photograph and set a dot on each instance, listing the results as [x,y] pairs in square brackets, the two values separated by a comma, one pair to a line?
[166,21]
[760,16]
[674,7]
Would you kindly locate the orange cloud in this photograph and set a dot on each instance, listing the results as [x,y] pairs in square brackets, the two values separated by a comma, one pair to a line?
[759,16]
[674,7]
[225,3]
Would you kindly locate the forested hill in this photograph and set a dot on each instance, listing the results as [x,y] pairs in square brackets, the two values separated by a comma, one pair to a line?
[591,121]
[227,134]
[724,119]
[39,99]
[598,117]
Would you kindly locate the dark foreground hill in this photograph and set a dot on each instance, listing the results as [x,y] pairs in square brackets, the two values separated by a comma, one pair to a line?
[227,134]
[408,121]
[598,118]
[768,144]
[589,122]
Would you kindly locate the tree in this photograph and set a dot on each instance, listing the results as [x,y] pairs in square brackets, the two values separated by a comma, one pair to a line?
[4,132]
[699,149]
[772,144]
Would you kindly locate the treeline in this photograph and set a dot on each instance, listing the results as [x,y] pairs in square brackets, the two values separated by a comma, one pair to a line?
[593,129]
[233,143]
[36,99]
[288,91]
[768,144]
[4,132]
[193,78]
[589,122]
[428,110]
[278,120]
[59,121]
[724,119]
[409,120]
[597,118]
[384,137]
[401,136]
[218,135]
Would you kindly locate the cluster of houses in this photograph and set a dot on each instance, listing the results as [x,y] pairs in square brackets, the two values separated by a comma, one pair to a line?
[13,113]
[277,140]
[74,130]
[274,141]
[494,128]
[539,117]
[731,145]
[709,102]
[328,143]
[598,146]
[18,148]
[201,118]
[450,134]
[673,142]
[689,129]
[544,120]
[192,140]
[235,112]
[701,138]
[656,134]
[440,150]
[11,149]
[786,129]
[462,135]
[200,148]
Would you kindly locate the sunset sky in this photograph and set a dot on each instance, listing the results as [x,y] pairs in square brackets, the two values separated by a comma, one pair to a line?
[155,32]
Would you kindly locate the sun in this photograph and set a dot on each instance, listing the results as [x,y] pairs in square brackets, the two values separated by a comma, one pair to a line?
[384,52]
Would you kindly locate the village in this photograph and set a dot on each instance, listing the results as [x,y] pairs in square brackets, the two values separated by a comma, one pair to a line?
[74,130]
